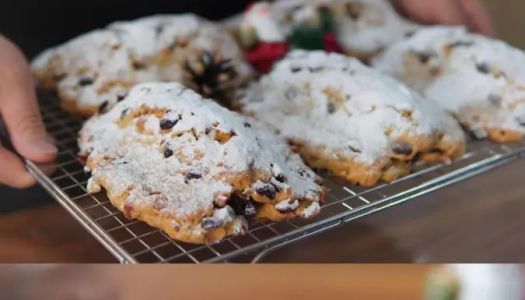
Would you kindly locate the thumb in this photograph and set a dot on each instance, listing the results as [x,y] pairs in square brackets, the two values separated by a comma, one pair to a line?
[479,19]
[19,108]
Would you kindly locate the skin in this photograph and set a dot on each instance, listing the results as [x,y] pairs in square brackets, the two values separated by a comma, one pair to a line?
[449,12]
[19,109]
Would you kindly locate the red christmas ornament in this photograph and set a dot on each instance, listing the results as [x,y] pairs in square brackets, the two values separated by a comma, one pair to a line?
[331,44]
[264,55]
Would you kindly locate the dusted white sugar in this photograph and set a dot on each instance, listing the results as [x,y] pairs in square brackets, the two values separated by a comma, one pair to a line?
[335,101]
[272,22]
[475,73]
[311,210]
[127,53]
[187,182]
[287,205]
[377,26]
[260,17]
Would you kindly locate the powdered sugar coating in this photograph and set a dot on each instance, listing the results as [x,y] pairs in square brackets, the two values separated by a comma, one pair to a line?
[288,14]
[335,102]
[368,26]
[479,80]
[273,21]
[199,159]
[265,22]
[102,65]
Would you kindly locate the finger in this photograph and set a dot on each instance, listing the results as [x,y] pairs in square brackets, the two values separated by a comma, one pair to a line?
[478,17]
[415,10]
[19,108]
[12,171]
[447,12]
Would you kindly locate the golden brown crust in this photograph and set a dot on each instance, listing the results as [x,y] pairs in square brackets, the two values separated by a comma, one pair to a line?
[480,116]
[267,211]
[186,229]
[76,108]
[503,135]
[153,217]
[387,169]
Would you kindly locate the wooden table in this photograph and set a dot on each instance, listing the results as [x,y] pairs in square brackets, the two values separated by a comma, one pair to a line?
[364,282]
[479,220]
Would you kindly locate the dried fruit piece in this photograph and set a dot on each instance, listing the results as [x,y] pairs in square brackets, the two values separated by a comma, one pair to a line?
[85,81]
[103,107]
[266,189]
[281,178]
[223,137]
[483,68]
[191,176]
[210,223]
[249,209]
[402,148]
[461,44]
[168,152]
[166,124]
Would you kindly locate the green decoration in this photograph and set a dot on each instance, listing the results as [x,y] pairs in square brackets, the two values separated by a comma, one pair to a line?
[442,286]
[310,35]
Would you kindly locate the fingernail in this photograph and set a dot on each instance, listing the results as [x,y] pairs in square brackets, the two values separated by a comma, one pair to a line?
[26,181]
[45,146]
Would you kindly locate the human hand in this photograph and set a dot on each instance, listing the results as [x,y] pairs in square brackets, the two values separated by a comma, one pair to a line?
[19,111]
[470,13]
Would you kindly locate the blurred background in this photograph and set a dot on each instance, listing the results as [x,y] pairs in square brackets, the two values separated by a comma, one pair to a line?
[363,282]
[509,18]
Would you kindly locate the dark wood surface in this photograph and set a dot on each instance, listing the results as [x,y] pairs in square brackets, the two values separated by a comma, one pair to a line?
[47,234]
[479,220]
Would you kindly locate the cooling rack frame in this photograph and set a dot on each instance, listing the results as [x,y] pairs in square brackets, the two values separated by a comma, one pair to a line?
[132,241]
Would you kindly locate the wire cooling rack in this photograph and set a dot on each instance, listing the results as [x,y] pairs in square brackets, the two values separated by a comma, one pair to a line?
[132,241]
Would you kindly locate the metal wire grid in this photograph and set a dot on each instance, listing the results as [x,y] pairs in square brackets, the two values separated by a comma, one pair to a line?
[133,241]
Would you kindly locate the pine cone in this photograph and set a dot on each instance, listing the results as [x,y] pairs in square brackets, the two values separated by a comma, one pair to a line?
[210,73]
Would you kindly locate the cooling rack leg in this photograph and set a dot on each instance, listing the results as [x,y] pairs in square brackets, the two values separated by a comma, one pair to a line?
[258,258]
